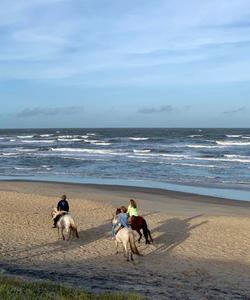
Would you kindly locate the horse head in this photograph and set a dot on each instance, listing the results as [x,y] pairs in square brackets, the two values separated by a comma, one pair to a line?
[54,213]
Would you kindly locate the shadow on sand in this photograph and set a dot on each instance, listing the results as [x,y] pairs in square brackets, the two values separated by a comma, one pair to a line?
[173,232]
[85,237]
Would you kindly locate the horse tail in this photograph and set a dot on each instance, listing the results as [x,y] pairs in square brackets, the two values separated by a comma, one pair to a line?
[132,244]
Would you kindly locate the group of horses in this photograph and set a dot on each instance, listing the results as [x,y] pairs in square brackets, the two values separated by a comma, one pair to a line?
[125,235]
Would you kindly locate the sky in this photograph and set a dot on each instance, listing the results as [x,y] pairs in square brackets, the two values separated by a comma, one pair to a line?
[116,63]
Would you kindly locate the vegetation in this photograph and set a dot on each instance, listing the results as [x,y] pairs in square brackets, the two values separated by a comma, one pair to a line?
[13,289]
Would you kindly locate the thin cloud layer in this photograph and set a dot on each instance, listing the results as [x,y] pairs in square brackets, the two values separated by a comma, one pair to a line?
[87,42]
[163,109]
[49,111]
[240,110]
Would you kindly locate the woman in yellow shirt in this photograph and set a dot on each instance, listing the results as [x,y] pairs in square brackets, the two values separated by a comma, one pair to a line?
[132,208]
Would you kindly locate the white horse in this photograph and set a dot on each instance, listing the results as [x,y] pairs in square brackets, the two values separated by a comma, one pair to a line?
[126,237]
[65,222]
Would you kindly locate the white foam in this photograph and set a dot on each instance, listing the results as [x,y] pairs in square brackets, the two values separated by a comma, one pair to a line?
[195,165]
[138,138]
[233,135]
[100,143]
[27,150]
[233,143]
[38,141]
[24,168]
[69,140]
[204,146]
[195,135]
[238,158]
[25,136]
[46,135]
[141,151]
[9,154]
[90,151]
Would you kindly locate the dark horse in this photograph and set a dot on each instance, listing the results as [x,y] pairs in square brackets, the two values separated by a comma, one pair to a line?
[137,223]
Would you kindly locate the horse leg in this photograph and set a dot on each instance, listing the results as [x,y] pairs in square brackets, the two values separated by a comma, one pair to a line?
[116,246]
[145,231]
[69,234]
[63,237]
[150,237]
[58,231]
[139,232]
[126,250]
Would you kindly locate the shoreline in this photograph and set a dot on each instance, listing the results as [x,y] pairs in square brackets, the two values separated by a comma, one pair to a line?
[150,200]
[209,193]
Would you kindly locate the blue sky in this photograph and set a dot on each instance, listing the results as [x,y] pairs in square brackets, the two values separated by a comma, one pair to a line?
[99,63]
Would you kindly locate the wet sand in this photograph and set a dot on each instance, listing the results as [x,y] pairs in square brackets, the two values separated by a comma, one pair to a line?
[201,246]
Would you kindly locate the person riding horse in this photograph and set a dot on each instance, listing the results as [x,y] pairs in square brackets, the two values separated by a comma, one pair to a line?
[121,221]
[62,208]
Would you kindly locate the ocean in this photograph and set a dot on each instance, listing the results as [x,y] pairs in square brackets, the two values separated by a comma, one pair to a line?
[179,159]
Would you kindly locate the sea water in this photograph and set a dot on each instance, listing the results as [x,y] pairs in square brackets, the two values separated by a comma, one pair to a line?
[192,160]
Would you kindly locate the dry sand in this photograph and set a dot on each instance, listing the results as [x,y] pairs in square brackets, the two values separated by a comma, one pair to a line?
[201,244]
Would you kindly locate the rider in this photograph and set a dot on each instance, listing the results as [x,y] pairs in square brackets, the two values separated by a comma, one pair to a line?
[121,221]
[132,210]
[63,207]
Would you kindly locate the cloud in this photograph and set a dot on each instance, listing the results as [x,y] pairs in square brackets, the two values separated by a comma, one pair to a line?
[49,111]
[163,109]
[240,110]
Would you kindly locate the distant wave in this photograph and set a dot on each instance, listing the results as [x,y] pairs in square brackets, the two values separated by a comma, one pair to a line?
[46,135]
[238,158]
[195,135]
[38,141]
[232,143]
[9,154]
[233,135]
[69,140]
[141,151]
[138,138]
[25,136]
[100,143]
[24,168]
[90,151]
[196,165]
[204,146]
[27,150]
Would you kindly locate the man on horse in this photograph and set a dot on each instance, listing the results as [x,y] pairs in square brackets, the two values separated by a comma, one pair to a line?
[62,207]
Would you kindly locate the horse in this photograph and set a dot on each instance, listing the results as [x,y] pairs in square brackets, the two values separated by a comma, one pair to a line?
[65,222]
[126,237]
[137,223]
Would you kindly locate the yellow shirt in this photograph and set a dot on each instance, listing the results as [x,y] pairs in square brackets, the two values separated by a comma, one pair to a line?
[132,211]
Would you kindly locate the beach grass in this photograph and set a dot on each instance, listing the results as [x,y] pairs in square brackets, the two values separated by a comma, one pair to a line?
[15,289]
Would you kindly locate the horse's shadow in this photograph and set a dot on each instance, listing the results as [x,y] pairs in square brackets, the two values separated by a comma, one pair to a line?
[173,232]
[86,236]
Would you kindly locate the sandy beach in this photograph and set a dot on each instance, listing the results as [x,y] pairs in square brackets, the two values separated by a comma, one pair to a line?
[201,246]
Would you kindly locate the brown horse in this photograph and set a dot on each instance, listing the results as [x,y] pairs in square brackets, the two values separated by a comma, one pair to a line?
[137,223]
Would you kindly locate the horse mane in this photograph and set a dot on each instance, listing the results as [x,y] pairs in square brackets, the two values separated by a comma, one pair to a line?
[118,211]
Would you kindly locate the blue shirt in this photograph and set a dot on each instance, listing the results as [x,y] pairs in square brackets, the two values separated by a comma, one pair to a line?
[63,205]
[122,218]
